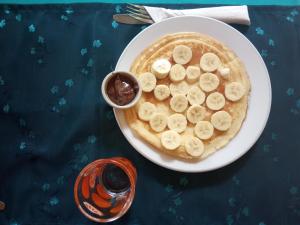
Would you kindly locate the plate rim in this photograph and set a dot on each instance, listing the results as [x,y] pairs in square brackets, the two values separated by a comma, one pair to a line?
[237,156]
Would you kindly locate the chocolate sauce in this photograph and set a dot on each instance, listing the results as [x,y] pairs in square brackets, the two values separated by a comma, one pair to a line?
[121,89]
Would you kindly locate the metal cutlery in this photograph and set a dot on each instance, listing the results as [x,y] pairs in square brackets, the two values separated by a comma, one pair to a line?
[135,14]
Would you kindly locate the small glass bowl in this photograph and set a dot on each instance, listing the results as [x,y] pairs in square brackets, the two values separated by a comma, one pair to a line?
[106,97]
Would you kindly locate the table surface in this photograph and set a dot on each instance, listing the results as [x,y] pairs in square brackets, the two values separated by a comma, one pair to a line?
[54,122]
[230,2]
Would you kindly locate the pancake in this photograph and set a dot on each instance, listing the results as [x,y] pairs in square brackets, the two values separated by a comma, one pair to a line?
[199,44]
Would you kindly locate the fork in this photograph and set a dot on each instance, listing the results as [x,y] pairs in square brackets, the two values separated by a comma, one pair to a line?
[138,12]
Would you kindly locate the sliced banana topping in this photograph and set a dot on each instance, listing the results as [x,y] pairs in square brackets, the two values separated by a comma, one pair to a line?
[195,113]
[177,73]
[234,91]
[192,73]
[180,88]
[182,54]
[221,120]
[224,72]
[209,82]
[178,103]
[146,111]
[209,62]
[204,130]
[158,122]
[170,140]
[195,96]
[194,146]
[161,68]
[215,101]
[161,92]
[177,122]
[147,81]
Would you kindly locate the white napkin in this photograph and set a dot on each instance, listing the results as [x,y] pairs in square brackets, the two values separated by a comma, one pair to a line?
[227,14]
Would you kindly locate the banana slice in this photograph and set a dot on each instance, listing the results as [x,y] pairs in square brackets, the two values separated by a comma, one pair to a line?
[180,88]
[177,122]
[161,92]
[194,146]
[195,96]
[204,130]
[147,81]
[234,91]
[158,122]
[209,82]
[210,62]
[192,73]
[224,72]
[170,140]
[182,54]
[178,103]
[195,113]
[221,120]
[146,111]
[177,73]
[215,101]
[161,68]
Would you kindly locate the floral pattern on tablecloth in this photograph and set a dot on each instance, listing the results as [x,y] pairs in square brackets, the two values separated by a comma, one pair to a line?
[53,121]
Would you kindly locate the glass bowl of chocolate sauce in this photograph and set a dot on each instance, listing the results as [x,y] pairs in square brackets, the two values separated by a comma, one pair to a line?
[121,89]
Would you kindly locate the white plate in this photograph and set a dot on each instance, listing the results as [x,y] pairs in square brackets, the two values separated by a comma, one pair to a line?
[259,101]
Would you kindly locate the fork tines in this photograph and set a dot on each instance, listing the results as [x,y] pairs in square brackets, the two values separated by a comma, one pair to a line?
[138,12]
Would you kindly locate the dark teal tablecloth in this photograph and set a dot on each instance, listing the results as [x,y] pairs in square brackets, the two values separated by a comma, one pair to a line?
[53,121]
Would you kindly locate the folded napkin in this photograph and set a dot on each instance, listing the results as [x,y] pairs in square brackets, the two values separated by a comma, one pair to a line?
[227,14]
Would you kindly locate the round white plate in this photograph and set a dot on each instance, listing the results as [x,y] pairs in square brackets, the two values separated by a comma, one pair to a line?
[259,101]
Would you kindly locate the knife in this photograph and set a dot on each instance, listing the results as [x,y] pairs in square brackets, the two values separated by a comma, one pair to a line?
[128,19]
